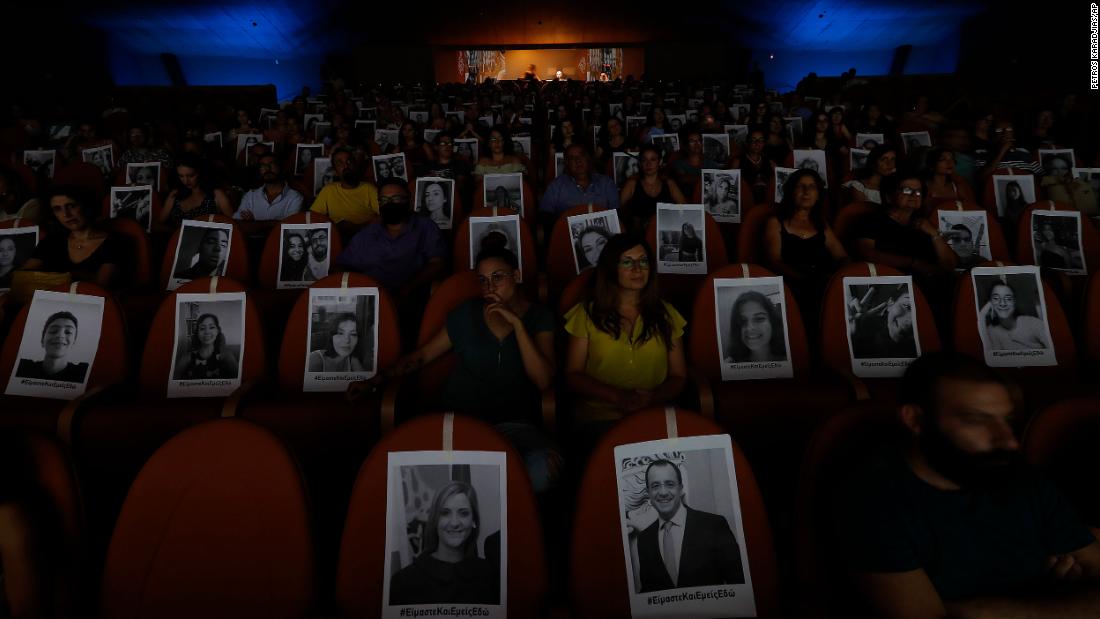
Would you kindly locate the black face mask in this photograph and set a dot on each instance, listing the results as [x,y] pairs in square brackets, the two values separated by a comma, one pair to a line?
[351,177]
[394,213]
[990,470]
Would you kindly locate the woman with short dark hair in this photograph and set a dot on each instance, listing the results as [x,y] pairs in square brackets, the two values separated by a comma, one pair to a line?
[79,244]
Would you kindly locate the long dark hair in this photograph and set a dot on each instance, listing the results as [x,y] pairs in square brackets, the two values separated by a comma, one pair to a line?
[292,269]
[199,165]
[603,293]
[777,345]
[334,327]
[431,532]
[787,208]
[219,342]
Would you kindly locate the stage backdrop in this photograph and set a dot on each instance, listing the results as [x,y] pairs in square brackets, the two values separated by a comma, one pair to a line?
[577,63]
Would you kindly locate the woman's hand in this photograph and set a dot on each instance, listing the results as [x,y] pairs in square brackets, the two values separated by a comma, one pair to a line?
[502,310]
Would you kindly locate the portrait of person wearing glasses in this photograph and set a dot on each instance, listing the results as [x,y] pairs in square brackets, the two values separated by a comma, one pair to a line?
[504,346]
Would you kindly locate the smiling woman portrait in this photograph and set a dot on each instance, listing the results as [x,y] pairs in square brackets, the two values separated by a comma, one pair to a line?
[448,569]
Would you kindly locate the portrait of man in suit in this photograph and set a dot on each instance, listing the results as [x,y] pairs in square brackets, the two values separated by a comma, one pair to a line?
[684,547]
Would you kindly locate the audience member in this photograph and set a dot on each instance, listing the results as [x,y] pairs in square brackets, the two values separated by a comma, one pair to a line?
[898,236]
[272,201]
[351,203]
[579,185]
[78,243]
[641,193]
[881,163]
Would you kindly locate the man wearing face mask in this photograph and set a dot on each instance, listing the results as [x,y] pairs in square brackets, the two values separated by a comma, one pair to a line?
[951,522]
[404,253]
[350,203]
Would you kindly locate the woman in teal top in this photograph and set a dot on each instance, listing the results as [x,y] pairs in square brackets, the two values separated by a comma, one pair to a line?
[505,349]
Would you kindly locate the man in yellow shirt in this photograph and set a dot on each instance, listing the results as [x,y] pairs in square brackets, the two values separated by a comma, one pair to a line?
[350,203]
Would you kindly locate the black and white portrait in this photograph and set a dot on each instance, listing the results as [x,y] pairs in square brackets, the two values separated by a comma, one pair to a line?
[867,141]
[59,133]
[368,113]
[589,233]
[147,173]
[559,164]
[752,333]
[722,195]
[388,140]
[1011,313]
[209,345]
[738,134]
[500,232]
[310,121]
[625,165]
[682,528]
[16,245]
[366,129]
[388,167]
[435,199]
[321,131]
[813,159]
[467,148]
[135,203]
[458,115]
[681,239]
[429,135]
[1091,176]
[304,154]
[634,123]
[913,141]
[616,109]
[60,340]
[1013,192]
[781,175]
[882,324]
[740,111]
[202,251]
[246,140]
[1058,163]
[41,162]
[677,121]
[504,191]
[967,234]
[1056,238]
[342,342]
[447,533]
[102,157]
[251,153]
[716,147]
[857,158]
[668,143]
[305,253]
[323,173]
[419,116]
[794,126]
[521,145]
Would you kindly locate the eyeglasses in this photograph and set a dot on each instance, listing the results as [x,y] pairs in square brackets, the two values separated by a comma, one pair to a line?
[756,140]
[496,139]
[1003,130]
[394,199]
[909,191]
[629,263]
[496,279]
[446,143]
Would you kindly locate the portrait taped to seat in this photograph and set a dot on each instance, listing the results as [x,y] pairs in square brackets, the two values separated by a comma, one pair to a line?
[589,232]
[209,345]
[342,340]
[882,324]
[751,328]
[202,251]
[59,345]
[1012,316]
[681,239]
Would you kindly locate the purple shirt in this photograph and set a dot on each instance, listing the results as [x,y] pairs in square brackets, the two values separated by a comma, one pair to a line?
[394,261]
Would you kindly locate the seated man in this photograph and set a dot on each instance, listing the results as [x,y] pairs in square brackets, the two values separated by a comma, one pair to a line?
[579,185]
[1003,153]
[951,523]
[404,253]
[349,203]
[272,201]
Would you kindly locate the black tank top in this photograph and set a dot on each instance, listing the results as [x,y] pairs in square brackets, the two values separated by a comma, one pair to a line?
[644,206]
[807,256]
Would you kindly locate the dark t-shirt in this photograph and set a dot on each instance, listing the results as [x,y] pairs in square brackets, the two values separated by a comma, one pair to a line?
[53,251]
[981,542]
[890,236]
[489,379]
[428,580]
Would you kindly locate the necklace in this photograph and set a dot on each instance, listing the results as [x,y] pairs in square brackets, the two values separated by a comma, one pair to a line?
[79,242]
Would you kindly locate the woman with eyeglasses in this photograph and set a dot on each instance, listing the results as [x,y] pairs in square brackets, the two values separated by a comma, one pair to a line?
[625,352]
[899,237]
[505,349]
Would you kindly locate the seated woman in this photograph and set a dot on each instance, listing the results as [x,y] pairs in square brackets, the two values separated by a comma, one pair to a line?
[778,144]
[641,193]
[1005,327]
[58,337]
[78,244]
[799,244]
[757,171]
[448,569]
[756,330]
[501,158]
[195,198]
[338,354]
[899,237]
[208,356]
[941,179]
[687,168]
[612,139]
[505,349]
[625,352]
[691,246]
[564,137]
[882,162]
[411,140]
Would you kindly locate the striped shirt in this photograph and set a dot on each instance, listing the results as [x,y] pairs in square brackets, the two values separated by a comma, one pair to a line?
[1017,158]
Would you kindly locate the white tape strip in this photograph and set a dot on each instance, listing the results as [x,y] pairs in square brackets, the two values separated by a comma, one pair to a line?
[448,431]
[872,269]
[670,422]
[745,270]
[72,287]
[344,280]
[214,285]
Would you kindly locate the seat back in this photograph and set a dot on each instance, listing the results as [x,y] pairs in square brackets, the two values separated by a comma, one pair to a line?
[528,198]
[454,291]
[703,343]
[215,525]
[461,250]
[292,354]
[238,265]
[80,174]
[714,246]
[966,339]
[1092,327]
[363,548]
[847,219]
[1061,441]
[750,238]
[834,324]
[156,360]
[560,265]
[112,361]
[268,274]
[141,269]
[1090,237]
[597,576]
[574,292]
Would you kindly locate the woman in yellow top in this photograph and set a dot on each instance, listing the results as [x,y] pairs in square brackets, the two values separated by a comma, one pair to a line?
[625,350]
